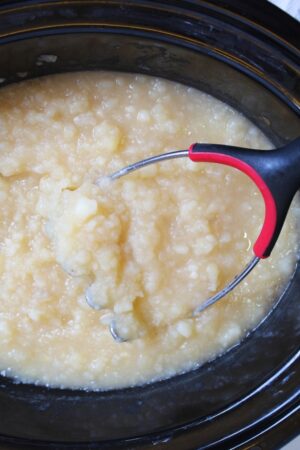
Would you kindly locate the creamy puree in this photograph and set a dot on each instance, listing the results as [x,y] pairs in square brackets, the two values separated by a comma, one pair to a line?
[146,249]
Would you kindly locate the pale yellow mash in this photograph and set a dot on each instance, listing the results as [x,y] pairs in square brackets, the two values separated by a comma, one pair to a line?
[144,250]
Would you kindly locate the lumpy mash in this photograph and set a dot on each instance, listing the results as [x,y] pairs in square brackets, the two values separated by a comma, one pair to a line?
[144,250]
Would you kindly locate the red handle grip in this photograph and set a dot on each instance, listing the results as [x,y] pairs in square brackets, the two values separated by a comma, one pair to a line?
[267,231]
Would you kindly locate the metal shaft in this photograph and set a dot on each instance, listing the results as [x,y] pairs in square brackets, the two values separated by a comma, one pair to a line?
[146,162]
[230,286]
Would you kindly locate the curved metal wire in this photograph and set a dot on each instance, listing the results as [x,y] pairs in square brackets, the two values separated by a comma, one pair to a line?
[228,288]
[209,302]
[146,162]
[114,332]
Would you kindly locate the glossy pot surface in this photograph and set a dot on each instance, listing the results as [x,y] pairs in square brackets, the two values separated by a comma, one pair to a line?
[246,55]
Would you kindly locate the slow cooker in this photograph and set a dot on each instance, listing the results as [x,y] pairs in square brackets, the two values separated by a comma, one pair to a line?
[244,53]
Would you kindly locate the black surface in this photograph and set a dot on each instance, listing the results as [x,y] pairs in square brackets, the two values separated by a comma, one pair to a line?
[255,386]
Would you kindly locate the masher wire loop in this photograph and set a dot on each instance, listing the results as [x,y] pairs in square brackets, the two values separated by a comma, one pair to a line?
[276,174]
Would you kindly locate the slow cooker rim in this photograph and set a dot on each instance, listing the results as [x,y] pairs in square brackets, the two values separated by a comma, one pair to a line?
[260,77]
[227,8]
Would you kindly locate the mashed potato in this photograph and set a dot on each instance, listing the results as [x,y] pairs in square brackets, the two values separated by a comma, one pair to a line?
[144,250]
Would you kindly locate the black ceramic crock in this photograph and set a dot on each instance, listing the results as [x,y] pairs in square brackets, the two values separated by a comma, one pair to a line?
[244,53]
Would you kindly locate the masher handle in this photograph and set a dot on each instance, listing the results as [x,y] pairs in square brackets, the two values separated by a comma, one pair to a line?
[276,173]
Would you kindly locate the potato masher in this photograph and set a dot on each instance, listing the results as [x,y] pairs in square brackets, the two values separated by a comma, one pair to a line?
[276,173]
